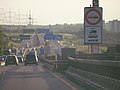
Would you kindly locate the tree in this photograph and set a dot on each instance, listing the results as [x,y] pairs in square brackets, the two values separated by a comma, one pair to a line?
[118,48]
[3,41]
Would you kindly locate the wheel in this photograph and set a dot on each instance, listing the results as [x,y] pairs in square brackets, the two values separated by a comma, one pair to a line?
[25,64]
[5,64]
[36,63]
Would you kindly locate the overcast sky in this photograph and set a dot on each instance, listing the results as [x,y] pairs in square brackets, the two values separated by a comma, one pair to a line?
[60,11]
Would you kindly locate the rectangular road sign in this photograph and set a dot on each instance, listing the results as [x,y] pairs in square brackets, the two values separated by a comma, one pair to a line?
[93,35]
[58,37]
[93,25]
[53,37]
[42,30]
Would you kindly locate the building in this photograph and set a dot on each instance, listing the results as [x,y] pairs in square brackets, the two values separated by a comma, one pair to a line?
[114,25]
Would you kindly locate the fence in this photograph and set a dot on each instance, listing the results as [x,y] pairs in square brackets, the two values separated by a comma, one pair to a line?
[56,65]
[100,82]
[102,56]
[102,74]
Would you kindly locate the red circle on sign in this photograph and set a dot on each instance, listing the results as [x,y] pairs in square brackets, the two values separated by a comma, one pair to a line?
[99,19]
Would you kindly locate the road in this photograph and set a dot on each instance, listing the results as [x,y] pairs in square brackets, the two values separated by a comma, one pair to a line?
[55,48]
[32,77]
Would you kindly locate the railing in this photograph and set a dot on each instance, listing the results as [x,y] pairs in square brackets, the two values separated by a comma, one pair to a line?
[98,81]
[49,64]
[97,62]
[53,65]
[101,74]
[101,56]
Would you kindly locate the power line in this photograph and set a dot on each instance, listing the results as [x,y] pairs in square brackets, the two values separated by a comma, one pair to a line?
[15,18]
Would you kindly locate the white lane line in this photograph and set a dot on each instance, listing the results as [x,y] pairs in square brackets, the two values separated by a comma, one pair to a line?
[62,80]
[22,76]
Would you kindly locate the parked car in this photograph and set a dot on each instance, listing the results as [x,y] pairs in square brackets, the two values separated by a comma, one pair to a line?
[11,60]
[31,58]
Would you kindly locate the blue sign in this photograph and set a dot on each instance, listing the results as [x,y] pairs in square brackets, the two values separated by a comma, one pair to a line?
[48,37]
[49,33]
[53,37]
[58,37]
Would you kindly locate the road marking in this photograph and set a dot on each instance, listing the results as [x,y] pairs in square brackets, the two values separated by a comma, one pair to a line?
[22,76]
[62,80]
[68,84]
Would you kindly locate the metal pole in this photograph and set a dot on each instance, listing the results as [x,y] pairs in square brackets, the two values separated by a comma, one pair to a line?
[88,51]
[91,51]
[98,49]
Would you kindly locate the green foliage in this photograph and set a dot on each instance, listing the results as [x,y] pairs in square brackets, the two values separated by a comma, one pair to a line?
[3,41]
[0,42]
[6,52]
[0,36]
[114,49]
[111,49]
[118,48]
[0,50]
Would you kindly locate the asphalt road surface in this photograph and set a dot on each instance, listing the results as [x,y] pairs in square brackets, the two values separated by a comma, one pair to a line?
[32,77]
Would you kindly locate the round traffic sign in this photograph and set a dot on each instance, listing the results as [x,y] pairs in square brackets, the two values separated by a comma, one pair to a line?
[93,16]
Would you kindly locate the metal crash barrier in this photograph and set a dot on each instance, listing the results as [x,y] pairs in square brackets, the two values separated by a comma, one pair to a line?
[98,81]
[56,65]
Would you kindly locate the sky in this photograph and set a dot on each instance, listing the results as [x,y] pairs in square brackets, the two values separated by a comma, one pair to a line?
[47,12]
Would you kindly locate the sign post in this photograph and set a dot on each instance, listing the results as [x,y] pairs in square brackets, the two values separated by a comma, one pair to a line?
[93,25]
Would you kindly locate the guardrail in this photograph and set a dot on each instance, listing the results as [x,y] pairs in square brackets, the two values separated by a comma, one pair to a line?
[101,74]
[49,64]
[102,67]
[53,65]
[101,56]
[98,81]
[97,62]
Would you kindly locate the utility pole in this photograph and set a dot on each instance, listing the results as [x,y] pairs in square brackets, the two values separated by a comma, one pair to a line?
[30,22]
[10,17]
[95,3]
[30,18]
